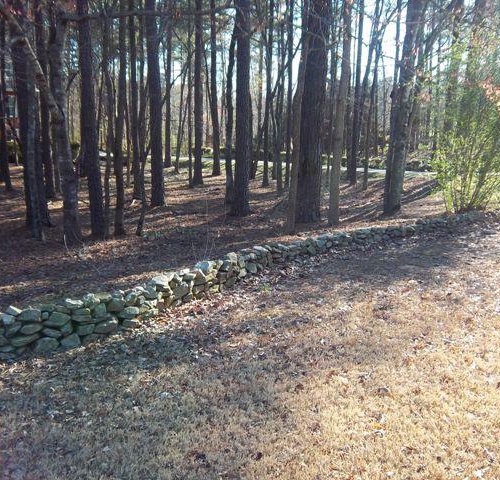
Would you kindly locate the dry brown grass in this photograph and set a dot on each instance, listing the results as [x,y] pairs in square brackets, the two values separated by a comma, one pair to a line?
[368,366]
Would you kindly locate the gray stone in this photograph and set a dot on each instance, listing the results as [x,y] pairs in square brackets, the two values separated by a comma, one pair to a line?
[11,310]
[85,329]
[162,282]
[72,304]
[150,293]
[23,340]
[131,298]
[51,332]
[47,307]
[11,330]
[251,268]
[63,309]
[181,290]
[71,341]
[129,323]
[8,319]
[57,319]
[107,326]
[90,300]
[46,344]
[115,305]
[6,348]
[103,297]
[129,312]
[83,319]
[45,315]
[30,315]
[3,341]
[66,329]
[31,328]
[205,266]
[83,312]
[100,311]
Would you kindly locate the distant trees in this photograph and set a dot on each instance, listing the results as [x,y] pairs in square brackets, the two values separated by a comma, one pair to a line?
[227,80]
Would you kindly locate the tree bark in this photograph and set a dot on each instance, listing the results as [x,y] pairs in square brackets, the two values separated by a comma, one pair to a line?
[155,118]
[240,206]
[229,121]
[213,92]
[309,186]
[168,94]
[338,136]
[198,96]
[89,147]
[4,152]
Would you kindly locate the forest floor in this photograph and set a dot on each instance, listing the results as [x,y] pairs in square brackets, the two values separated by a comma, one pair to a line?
[193,226]
[363,366]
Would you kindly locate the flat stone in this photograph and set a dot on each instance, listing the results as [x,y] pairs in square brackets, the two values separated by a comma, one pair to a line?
[103,297]
[11,330]
[82,311]
[85,329]
[47,307]
[251,268]
[115,305]
[181,290]
[30,315]
[131,323]
[73,304]
[62,309]
[31,328]
[205,266]
[22,340]
[83,319]
[11,310]
[51,332]
[6,348]
[100,311]
[90,300]
[8,319]
[162,282]
[46,344]
[71,341]
[66,329]
[131,298]
[57,319]
[3,341]
[107,326]
[129,312]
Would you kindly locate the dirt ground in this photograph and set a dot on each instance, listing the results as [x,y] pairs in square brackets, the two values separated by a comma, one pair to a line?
[357,365]
[192,227]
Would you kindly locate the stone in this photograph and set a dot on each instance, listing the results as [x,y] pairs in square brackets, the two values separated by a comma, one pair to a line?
[251,268]
[90,300]
[8,319]
[181,290]
[6,348]
[150,293]
[162,282]
[205,266]
[129,323]
[45,315]
[115,305]
[11,330]
[107,326]
[30,315]
[23,340]
[131,298]
[66,329]
[71,341]
[85,329]
[51,332]
[3,341]
[187,298]
[84,312]
[100,311]
[47,307]
[57,319]
[46,344]
[83,319]
[63,309]
[129,312]
[103,297]
[188,276]
[73,304]
[31,328]
[14,311]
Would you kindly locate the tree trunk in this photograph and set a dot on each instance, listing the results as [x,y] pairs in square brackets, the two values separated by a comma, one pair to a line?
[89,147]
[155,119]
[289,90]
[338,136]
[134,105]
[240,206]
[229,121]
[268,103]
[198,96]
[4,152]
[309,186]
[213,92]
[168,94]
[402,102]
